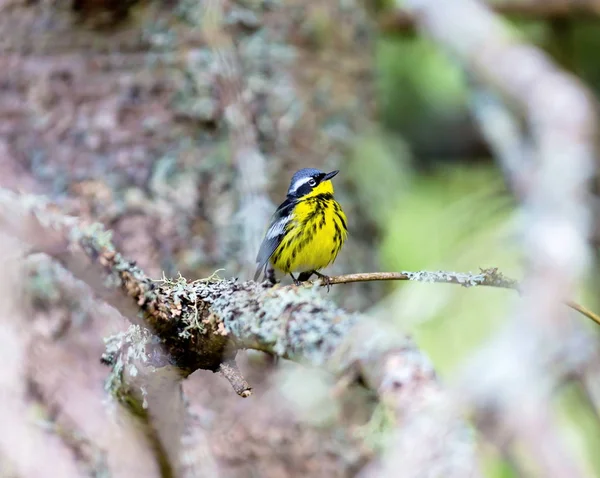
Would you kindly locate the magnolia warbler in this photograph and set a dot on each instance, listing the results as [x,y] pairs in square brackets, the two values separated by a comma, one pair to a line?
[307,230]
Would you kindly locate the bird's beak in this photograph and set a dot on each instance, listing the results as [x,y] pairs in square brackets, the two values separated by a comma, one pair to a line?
[330,175]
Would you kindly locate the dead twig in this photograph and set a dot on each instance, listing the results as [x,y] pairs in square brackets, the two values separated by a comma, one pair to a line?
[231,372]
[486,278]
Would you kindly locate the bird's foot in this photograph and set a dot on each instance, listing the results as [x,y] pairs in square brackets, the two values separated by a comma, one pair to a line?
[325,279]
[270,276]
[297,282]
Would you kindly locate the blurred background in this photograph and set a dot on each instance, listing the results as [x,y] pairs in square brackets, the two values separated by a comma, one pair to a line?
[118,112]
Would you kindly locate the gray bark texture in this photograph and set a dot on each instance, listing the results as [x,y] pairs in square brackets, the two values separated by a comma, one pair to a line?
[177,125]
[180,327]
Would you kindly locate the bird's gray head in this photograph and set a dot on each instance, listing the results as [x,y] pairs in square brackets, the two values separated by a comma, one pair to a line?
[307,180]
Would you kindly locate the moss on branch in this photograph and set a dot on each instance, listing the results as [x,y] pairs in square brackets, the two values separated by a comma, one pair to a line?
[201,324]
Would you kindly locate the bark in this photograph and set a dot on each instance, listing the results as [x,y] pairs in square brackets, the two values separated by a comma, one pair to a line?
[119,112]
[202,324]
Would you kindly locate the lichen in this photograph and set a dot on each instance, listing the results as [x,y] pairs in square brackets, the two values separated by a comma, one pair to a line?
[50,285]
[43,285]
[187,298]
[488,277]
[126,351]
[244,17]
[290,322]
[159,35]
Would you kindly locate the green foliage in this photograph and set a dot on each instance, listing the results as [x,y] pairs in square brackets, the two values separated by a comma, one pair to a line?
[379,165]
[584,50]
[416,82]
[579,418]
[456,219]
[447,212]
[495,467]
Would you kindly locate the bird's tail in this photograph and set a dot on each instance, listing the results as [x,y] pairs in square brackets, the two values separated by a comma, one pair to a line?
[260,269]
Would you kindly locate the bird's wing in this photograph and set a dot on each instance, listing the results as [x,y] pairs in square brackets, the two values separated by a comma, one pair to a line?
[279,222]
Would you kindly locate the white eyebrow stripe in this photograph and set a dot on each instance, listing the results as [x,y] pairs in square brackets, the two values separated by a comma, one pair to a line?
[299,183]
[278,227]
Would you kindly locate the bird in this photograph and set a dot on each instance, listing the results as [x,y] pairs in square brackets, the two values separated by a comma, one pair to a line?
[307,231]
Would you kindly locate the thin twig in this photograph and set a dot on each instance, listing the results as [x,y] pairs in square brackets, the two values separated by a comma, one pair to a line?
[583,310]
[231,372]
[487,278]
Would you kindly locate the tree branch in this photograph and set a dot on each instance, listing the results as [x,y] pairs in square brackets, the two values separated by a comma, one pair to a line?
[403,20]
[487,277]
[504,132]
[231,372]
[202,324]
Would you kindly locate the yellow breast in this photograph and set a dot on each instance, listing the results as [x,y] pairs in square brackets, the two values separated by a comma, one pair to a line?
[314,236]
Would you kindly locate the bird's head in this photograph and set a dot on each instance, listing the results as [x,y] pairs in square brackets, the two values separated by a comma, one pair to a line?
[310,182]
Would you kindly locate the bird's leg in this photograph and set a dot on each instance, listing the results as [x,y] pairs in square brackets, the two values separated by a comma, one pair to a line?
[326,279]
[270,275]
[304,276]
[296,281]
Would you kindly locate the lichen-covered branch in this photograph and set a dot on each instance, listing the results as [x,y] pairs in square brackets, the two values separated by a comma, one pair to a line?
[201,324]
[150,388]
[231,372]
[490,277]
